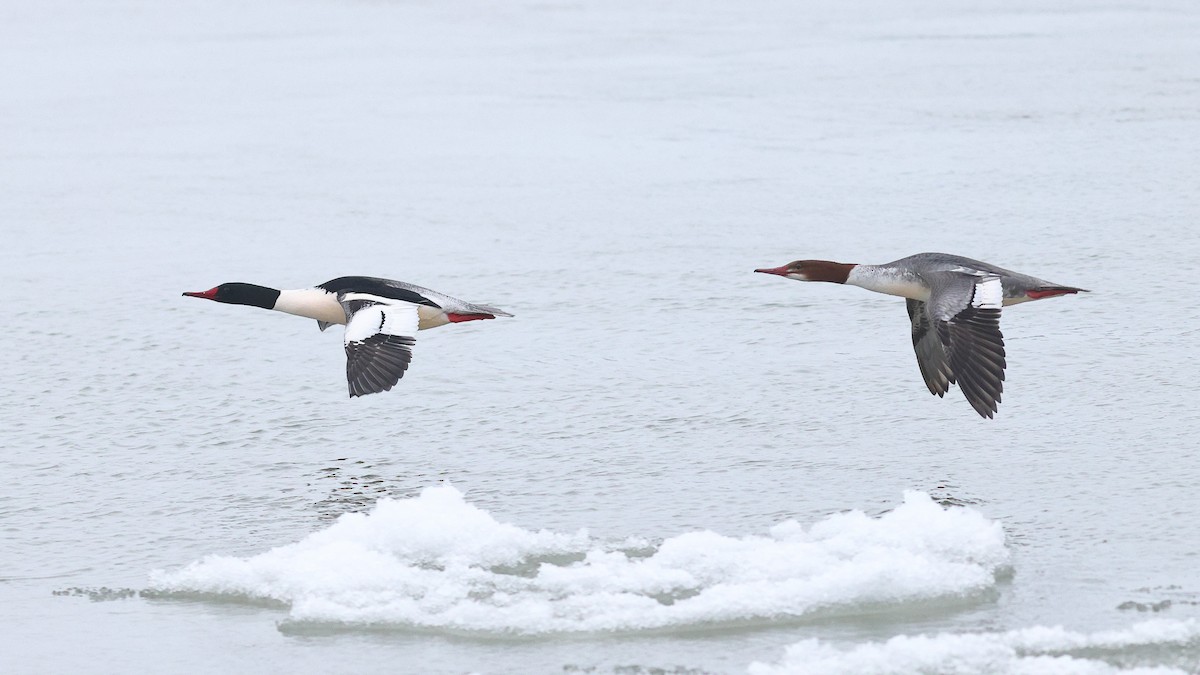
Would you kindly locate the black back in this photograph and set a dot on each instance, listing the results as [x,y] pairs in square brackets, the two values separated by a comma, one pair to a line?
[375,286]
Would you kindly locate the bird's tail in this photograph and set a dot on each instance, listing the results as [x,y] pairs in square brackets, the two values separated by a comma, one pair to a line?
[1051,291]
[488,309]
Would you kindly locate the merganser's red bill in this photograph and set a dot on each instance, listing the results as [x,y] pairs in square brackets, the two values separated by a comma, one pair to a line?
[210,294]
[781,271]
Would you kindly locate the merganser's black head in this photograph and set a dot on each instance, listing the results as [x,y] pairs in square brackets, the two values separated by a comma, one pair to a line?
[237,293]
[812,270]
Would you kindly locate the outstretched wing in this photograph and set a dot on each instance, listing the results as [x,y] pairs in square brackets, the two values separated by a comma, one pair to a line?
[931,356]
[965,309]
[379,340]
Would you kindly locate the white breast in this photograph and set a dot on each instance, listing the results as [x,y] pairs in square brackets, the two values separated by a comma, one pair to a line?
[314,303]
[889,281]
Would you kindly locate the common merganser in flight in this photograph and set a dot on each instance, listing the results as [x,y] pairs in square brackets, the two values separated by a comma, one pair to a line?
[381,318]
[954,304]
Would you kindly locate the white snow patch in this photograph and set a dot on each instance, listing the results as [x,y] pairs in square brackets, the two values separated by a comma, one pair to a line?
[1028,651]
[436,561]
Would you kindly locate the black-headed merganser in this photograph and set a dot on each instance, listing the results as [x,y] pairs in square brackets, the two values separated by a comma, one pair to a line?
[381,316]
[954,304]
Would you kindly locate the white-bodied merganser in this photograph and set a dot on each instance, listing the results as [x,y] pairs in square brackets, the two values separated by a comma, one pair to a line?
[381,318]
[959,298]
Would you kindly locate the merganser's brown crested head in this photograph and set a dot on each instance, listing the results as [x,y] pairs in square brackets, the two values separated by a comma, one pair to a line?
[812,270]
[237,293]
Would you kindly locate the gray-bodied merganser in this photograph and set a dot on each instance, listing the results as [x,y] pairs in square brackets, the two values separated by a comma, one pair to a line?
[959,298]
[381,318]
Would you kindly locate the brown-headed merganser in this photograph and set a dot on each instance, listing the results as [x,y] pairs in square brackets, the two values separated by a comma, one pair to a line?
[954,304]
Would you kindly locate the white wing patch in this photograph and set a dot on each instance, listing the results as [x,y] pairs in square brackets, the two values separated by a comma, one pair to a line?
[379,341]
[989,293]
[395,319]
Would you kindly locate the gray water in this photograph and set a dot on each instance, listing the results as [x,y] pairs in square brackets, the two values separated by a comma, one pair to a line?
[610,173]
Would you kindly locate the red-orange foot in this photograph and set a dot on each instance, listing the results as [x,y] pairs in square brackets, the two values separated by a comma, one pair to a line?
[459,318]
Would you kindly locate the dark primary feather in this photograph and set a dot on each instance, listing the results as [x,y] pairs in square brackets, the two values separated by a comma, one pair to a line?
[377,363]
[957,337]
[975,345]
[931,356]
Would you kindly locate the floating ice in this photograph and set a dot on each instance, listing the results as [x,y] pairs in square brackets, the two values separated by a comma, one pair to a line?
[1028,651]
[435,561]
